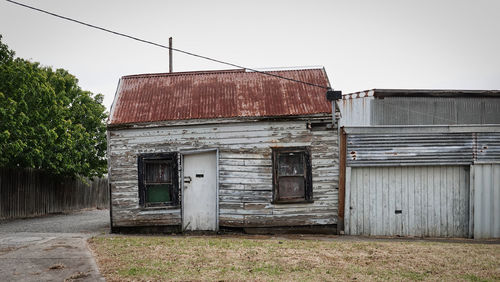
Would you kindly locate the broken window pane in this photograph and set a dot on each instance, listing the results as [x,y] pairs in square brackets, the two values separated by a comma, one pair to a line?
[291,187]
[158,172]
[290,164]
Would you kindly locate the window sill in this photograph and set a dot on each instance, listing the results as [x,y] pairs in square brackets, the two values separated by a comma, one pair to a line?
[159,208]
[286,202]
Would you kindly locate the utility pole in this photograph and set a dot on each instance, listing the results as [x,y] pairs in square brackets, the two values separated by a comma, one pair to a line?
[170,66]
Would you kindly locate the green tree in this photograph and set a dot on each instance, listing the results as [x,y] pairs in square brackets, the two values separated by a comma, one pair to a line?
[47,121]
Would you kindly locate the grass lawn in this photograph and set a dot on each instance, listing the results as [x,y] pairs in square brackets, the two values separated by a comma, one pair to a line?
[253,258]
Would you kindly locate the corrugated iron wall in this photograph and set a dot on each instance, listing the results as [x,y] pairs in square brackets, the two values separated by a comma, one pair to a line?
[486,187]
[408,201]
[488,146]
[423,148]
[389,149]
[435,110]
[368,110]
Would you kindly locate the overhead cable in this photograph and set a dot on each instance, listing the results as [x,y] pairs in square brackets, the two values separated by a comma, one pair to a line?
[164,46]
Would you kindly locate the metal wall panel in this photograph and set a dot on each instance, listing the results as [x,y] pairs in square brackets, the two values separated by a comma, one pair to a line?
[486,193]
[488,146]
[432,145]
[408,201]
[356,111]
[435,110]
[392,149]
[365,108]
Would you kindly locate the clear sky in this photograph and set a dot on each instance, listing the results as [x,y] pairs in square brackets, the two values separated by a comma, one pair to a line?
[445,44]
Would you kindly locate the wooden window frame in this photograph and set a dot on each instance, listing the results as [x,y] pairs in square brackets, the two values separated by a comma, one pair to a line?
[308,187]
[174,193]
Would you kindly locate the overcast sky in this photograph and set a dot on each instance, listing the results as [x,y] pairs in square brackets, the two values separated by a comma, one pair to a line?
[445,44]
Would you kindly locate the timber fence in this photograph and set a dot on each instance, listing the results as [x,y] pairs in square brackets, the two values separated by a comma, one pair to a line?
[33,192]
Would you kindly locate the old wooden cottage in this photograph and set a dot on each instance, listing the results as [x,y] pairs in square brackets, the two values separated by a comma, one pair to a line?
[223,149]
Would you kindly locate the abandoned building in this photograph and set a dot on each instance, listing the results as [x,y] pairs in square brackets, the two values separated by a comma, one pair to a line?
[223,149]
[239,149]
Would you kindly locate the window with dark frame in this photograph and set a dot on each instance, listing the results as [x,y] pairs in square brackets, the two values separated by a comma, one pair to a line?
[158,180]
[292,177]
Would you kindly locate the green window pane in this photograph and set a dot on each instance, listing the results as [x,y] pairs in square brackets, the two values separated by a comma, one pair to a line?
[158,193]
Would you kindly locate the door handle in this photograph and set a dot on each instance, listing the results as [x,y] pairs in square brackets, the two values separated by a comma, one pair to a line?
[187,179]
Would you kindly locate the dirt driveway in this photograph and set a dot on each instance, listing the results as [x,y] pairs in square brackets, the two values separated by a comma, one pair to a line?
[51,248]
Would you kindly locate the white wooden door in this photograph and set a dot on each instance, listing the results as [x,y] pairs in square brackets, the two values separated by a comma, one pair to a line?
[430,201]
[199,198]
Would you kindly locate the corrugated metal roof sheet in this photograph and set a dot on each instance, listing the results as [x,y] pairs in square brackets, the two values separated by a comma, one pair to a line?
[218,94]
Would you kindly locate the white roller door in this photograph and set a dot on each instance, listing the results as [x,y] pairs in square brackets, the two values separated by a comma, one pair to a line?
[408,201]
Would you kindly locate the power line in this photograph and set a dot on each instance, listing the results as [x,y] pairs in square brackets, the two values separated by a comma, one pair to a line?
[163,46]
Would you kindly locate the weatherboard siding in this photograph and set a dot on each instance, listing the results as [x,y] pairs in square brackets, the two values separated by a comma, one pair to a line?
[245,171]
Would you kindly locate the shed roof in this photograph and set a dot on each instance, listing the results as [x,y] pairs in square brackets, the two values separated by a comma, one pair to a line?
[218,94]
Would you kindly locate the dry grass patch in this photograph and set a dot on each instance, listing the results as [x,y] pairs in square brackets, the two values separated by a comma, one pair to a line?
[227,258]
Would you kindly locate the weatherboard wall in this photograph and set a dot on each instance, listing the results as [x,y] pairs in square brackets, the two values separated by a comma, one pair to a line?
[245,170]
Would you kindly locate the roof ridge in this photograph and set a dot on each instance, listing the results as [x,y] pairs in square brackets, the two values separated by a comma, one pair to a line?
[161,74]
[165,74]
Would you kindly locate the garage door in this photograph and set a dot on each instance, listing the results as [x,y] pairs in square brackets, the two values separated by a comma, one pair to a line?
[408,201]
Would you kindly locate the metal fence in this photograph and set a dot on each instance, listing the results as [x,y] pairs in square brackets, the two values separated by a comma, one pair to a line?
[32,192]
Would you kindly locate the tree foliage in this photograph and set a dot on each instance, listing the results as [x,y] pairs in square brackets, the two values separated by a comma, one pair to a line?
[47,121]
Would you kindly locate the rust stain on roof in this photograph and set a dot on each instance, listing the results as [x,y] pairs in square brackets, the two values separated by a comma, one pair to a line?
[218,94]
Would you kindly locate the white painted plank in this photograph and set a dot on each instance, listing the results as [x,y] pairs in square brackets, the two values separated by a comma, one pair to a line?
[456,202]
[436,201]
[378,219]
[385,201]
[392,201]
[495,186]
[365,211]
[405,206]
[464,201]
[397,201]
[354,201]
[347,201]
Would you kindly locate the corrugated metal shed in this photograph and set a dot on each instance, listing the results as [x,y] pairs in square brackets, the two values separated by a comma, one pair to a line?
[218,94]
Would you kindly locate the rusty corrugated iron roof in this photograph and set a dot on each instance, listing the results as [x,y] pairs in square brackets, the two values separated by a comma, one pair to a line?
[218,94]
